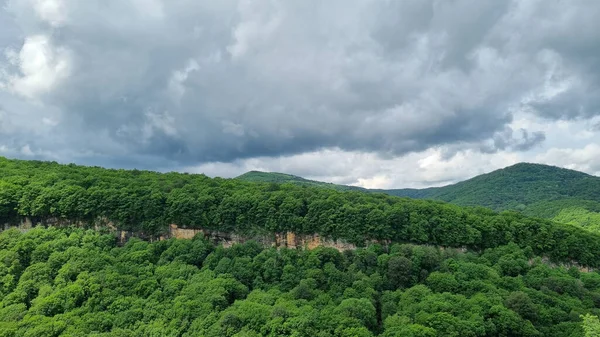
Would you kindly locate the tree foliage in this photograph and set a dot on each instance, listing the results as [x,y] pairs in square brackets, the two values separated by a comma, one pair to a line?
[147,202]
[76,282]
[544,191]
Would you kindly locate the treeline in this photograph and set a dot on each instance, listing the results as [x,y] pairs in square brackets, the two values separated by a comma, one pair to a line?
[282,178]
[75,282]
[534,189]
[149,202]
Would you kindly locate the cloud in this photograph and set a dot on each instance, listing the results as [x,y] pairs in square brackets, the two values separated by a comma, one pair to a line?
[159,84]
[51,11]
[586,159]
[433,167]
[41,66]
[428,168]
[507,140]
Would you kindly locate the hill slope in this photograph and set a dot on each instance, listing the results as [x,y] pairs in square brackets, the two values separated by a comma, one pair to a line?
[282,178]
[76,282]
[534,189]
[515,187]
[72,282]
[148,202]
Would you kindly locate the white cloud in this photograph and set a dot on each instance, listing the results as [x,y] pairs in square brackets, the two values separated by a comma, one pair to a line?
[373,93]
[586,159]
[26,150]
[378,181]
[53,12]
[164,122]
[178,78]
[41,66]
[150,8]
[416,170]
[259,21]
[425,169]
[49,121]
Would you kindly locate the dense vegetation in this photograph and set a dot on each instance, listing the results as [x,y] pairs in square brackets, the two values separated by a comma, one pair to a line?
[518,186]
[73,282]
[536,190]
[581,217]
[282,178]
[533,189]
[148,202]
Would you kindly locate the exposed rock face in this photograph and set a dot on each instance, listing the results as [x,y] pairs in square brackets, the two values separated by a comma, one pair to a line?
[313,241]
[183,233]
[227,239]
[288,239]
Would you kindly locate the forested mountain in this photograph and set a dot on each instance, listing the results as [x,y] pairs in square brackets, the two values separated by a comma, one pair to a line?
[533,189]
[148,202]
[282,178]
[519,187]
[509,274]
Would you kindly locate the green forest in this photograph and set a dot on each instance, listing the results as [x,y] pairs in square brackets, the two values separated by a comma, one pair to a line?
[76,282]
[532,189]
[147,202]
[282,178]
[435,269]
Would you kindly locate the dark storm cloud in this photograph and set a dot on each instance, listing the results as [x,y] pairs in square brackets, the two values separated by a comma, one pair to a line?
[521,140]
[183,82]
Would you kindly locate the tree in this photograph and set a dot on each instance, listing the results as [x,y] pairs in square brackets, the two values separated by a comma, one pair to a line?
[520,303]
[442,282]
[399,272]
[591,325]
[361,309]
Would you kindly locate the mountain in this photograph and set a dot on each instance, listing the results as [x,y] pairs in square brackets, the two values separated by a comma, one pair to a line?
[533,189]
[282,178]
[431,268]
[518,187]
[150,202]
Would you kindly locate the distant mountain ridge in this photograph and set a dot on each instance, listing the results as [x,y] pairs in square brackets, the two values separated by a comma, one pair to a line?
[533,189]
[513,187]
[283,178]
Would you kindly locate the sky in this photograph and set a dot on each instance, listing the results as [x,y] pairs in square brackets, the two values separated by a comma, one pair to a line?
[374,93]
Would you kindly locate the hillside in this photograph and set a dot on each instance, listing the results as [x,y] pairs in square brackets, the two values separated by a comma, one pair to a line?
[148,202]
[73,282]
[282,178]
[533,189]
[537,190]
[422,268]
[515,187]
